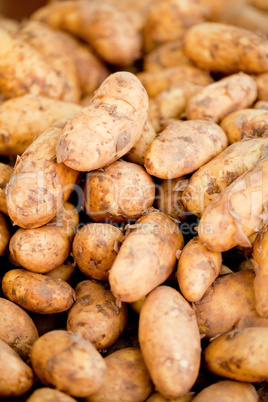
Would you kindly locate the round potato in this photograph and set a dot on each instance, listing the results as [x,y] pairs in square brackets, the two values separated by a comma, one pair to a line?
[5,174]
[137,153]
[260,252]
[5,235]
[49,395]
[225,391]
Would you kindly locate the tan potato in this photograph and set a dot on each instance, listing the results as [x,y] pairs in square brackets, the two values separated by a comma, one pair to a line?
[37,293]
[183,147]
[260,252]
[108,128]
[16,378]
[118,192]
[158,81]
[262,82]
[5,174]
[49,395]
[137,153]
[16,328]
[198,268]
[95,249]
[216,175]
[228,304]
[146,258]
[39,185]
[262,4]
[261,105]
[239,355]
[238,212]
[95,314]
[217,100]
[157,397]
[65,272]
[22,119]
[68,362]
[5,235]
[23,70]
[169,341]
[225,270]
[9,24]
[224,391]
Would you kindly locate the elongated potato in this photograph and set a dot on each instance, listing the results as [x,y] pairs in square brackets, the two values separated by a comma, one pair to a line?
[183,147]
[5,235]
[137,153]
[169,197]
[224,391]
[68,362]
[238,212]
[216,175]
[262,81]
[260,252]
[16,378]
[49,395]
[5,174]
[169,341]
[107,128]
[37,293]
[39,185]
[226,48]
[239,355]
[146,258]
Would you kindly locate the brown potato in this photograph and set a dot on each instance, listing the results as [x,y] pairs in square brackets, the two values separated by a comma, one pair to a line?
[169,341]
[157,397]
[137,153]
[68,362]
[118,192]
[224,391]
[226,48]
[65,272]
[16,378]
[5,235]
[261,105]
[146,258]
[94,249]
[49,395]
[39,185]
[183,147]
[260,252]
[107,128]
[169,197]
[262,4]
[95,314]
[5,174]
[9,24]
[37,293]
[262,82]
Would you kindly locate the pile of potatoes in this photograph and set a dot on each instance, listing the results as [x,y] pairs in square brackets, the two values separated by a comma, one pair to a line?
[134,202]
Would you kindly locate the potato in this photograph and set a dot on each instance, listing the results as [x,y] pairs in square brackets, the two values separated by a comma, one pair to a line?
[137,305]
[108,128]
[68,362]
[261,105]
[169,341]
[198,267]
[169,198]
[94,249]
[224,391]
[49,395]
[9,24]
[217,100]
[16,378]
[137,153]
[65,271]
[262,4]
[22,119]
[95,314]
[217,174]
[239,355]
[119,192]
[262,82]
[5,235]
[39,185]
[5,174]
[157,397]
[237,212]
[228,304]
[260,251]
[23,70]
[146,258]
[226,48]
[16,328]
[36,292]
[158,81]
[183,147]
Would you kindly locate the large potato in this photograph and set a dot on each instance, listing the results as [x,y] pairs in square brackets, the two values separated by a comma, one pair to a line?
[49,395]
[169,341]
[39,185]
[107,128]
[5,235]
[5,174]
[260,255]
[169,197]
[137,153]
[146,258]
[183,147]
[37,293]
[225,391]
[68,362]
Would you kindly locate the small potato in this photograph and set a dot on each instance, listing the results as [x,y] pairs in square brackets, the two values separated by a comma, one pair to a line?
[65,272]
[16,328]
[225,391]
[262,82]
[49,395]
[226,48]
[118,192]
[5,235]
[137,153]
[169,341]
[94,249]
[68,362]
[5,174]
[146,258]
[137,305]
[183,147]
[157,397]
[261,105]
[36,292]
[260,253]
[169,197]
[239,355]
[16,378]
[262,4]
[198,267]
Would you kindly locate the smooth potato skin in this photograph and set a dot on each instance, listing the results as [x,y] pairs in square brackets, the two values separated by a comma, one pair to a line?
[260,254]
[37,293]
[137,153]
[5,174]
[49,395]
[169,341]
[228,391]
[5,234]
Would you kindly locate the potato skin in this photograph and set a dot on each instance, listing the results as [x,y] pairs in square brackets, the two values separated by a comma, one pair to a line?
[261,105]
[157,397]
[5,235]
[5,174]
[49,395]
[36,292]
[169,341]
[107,128]
[183,147]
[224,391]
[68,362]
[137,153]
[65,272]
[262,81]
[260,253]
[39,185]
[169,198]
[146,258]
